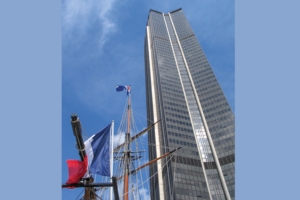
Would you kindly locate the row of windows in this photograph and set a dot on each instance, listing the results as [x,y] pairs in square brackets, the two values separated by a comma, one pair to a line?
[180,122]
[166,70]
[223,150]
[217,113]
[172,82]
[194,60]
[170,77]
[188,144]
[192,50]
[171,90]
[214,99]
[213,94]
[200,74]
[201,88]
[166,55]
[218,121]
[181,135]
[220,127]
[175,104]
[214,121]
[177,100]
[177,116]
[186,161]
[216,108]
[194,172]
[187,37]
[162,43]
[199,70]
[179,128]
[195,67]
[224,142]
[205,82]
[171,94]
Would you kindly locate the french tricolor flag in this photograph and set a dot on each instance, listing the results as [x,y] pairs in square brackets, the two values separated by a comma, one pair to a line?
[97,149]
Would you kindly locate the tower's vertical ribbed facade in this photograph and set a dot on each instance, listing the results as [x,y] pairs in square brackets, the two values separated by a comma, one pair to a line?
[182,92]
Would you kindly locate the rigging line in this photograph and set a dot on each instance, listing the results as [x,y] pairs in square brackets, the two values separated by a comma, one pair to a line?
[132,185]
[138,161]
[171,146]
[138,123]
[172,193]
[123,122]
[79,194]
[144,186]
[168,160]
[158,159]
[143,117]
[90,189]
[137,135]
[152,144]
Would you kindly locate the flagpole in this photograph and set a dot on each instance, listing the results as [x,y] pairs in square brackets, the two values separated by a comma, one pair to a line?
[112,156]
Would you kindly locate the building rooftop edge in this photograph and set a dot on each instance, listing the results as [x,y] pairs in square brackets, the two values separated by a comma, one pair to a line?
[155,11]
[176,10]
[151,10]
[163,13]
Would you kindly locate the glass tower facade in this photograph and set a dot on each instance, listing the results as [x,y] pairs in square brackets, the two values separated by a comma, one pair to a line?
[183,92]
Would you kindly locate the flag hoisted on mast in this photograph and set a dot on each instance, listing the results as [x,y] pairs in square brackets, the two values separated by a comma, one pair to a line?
[96,153]
[120,88]
[97,148]
[76,169]
[97,157]
[127,156]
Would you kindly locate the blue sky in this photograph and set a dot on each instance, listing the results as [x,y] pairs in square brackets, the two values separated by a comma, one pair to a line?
[266,104]
[103,46]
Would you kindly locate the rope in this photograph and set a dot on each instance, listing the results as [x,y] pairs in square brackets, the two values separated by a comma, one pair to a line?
[170,158]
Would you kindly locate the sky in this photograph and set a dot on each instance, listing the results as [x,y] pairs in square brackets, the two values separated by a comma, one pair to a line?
[103,46]
[266,95]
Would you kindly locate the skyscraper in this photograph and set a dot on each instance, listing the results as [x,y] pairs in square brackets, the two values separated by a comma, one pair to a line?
[183,92]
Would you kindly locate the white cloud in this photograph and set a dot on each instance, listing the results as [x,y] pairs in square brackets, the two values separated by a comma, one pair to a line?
[80,15]
[119,139]
[144,194]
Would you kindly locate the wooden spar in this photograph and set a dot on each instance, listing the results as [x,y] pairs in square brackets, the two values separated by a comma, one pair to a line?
[151,162]
[89,193]
[76,126]
[136,136]
[126,150]
[154,160]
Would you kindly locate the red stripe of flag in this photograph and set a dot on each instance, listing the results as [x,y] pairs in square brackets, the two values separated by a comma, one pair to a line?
[77,169]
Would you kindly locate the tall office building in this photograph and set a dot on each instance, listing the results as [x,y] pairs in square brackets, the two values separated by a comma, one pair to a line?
[182,92]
